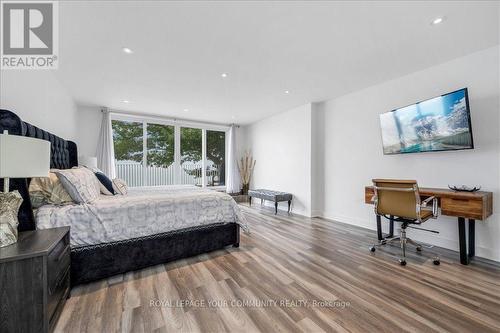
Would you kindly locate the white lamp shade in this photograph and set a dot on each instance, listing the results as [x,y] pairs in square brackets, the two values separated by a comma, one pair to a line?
[88,161]
[22,157]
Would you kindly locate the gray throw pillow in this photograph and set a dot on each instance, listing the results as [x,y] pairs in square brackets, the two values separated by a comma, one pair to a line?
[81,184]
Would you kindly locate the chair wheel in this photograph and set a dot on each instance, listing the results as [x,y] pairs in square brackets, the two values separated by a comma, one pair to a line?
[436,262]
[419,249]
[402,262]
[372,248]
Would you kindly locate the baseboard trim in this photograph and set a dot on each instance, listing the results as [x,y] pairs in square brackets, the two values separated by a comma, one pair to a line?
[450,244]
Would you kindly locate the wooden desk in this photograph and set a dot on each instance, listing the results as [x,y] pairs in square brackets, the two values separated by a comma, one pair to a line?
[464,205]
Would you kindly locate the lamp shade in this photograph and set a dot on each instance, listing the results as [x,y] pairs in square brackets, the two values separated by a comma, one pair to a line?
[22,157]
[88,161]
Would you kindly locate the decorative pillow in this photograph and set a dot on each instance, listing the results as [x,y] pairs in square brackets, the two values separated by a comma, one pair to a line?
[9,207]
[120,186]
[81,184]
[48,190]
[105,184]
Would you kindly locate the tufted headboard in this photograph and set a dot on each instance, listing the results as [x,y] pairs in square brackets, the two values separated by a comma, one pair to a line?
[63,155]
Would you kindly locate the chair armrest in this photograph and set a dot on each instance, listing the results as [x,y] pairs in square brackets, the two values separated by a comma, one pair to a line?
[426,201]
[434,200]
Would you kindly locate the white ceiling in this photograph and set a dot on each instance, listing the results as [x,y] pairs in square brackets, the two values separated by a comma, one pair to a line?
[316,50]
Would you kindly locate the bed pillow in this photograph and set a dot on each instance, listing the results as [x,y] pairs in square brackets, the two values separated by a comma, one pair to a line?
[105,184]
[81,184]
[120,186]
[48,190]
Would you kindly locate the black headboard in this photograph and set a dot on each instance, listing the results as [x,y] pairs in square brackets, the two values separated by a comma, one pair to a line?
[63,155]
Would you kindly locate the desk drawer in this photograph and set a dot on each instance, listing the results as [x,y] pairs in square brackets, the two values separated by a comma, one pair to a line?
[468,208]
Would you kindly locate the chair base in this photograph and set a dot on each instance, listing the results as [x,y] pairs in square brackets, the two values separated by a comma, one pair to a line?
[403,241]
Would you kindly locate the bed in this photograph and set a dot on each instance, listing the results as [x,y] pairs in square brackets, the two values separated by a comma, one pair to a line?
[113,235]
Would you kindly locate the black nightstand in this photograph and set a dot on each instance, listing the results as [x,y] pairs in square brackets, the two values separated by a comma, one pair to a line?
[35,280]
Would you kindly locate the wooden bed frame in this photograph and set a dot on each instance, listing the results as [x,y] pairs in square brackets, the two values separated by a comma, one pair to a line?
[89,263]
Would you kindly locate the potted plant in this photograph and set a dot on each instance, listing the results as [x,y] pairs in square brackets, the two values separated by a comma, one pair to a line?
[245,166]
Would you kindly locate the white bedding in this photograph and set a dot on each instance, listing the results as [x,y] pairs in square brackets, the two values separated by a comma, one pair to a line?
[143,211]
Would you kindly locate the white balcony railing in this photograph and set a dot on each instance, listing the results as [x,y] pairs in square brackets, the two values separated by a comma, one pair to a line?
[135,174]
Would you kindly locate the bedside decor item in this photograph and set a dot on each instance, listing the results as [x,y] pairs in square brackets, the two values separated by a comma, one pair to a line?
[245,166]
[464,188]
[9,206]
[20,157]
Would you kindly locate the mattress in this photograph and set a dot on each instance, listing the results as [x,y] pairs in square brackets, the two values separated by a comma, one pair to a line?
[144,211]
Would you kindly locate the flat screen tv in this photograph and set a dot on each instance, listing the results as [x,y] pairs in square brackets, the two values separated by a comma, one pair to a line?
[437,124]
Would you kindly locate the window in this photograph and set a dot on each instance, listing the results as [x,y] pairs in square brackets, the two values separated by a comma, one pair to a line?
[160,155]
[191,156]
[152,154]
[128,144]
[216,158]
[160,142]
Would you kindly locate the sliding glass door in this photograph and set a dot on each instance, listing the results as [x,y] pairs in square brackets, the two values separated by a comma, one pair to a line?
[154,154]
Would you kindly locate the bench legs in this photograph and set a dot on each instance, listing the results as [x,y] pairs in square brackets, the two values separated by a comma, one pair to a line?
[275,205]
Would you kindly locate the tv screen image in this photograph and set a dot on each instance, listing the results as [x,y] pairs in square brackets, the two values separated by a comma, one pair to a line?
[436,124]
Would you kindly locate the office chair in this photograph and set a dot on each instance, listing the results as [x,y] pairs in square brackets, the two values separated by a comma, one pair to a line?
[400,201]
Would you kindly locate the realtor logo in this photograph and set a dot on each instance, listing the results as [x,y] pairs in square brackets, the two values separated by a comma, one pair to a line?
[29,32]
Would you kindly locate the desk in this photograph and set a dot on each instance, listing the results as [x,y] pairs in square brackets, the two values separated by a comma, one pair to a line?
[463,205]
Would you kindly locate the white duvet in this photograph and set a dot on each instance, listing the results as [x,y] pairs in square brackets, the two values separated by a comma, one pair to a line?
[143,211]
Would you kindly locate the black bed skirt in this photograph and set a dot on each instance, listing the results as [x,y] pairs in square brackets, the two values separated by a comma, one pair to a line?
[100,261]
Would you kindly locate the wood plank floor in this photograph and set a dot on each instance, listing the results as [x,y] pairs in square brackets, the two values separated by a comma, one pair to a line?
[294,274]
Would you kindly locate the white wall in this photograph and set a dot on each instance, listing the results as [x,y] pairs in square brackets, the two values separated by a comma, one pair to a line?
[281,145]
[39,99]
[89,125]
[353,151]
[317,159]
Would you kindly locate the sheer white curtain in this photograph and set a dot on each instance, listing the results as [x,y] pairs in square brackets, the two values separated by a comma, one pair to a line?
[105,149]
[233,175]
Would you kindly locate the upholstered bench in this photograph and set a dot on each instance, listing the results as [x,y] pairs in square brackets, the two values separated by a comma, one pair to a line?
[270,196]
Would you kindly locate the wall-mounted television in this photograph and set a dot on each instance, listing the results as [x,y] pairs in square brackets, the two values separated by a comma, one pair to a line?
[437,124]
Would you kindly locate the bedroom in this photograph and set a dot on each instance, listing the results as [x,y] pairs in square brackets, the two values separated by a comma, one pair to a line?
[163,123]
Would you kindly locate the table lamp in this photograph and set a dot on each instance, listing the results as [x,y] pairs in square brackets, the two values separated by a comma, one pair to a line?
[20,157]
[23,157]
[88,161]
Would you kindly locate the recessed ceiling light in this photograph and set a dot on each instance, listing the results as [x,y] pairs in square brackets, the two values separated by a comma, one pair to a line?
[224,75]
[437,20]
[126,101]
[287,92]
[186,110]
[233,117]
[127,50]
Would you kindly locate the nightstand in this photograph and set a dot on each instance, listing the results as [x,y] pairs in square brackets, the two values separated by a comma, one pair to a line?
[35,280]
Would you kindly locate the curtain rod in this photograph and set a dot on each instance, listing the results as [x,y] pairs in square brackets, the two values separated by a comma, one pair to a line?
[159,117]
